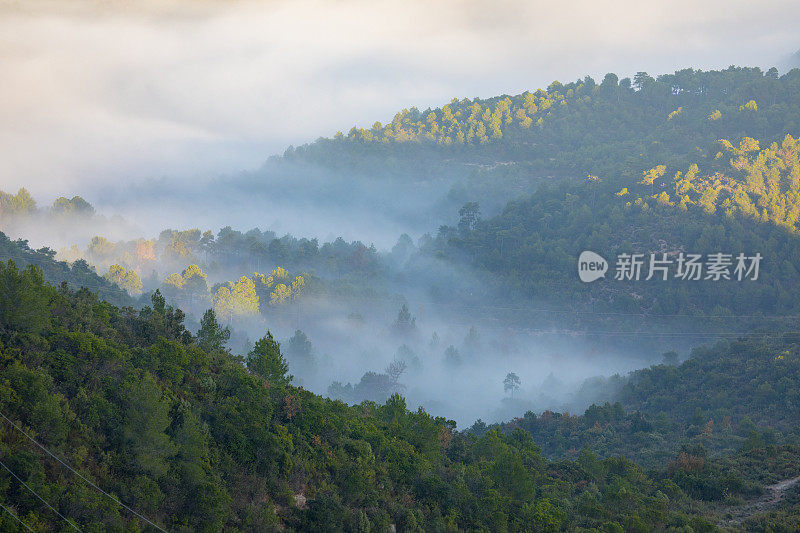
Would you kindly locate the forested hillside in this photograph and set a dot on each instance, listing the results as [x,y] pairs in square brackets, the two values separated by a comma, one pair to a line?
[78,274]
[194,437]
[739,394]
[745,200]
[489,303]
[179,429]
[579,127]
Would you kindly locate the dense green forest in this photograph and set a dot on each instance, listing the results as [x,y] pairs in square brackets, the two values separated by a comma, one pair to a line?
[195,437]
[690,161]
[503,148]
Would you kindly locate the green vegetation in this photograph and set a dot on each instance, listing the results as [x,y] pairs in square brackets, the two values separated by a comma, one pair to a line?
[190,438]
[743,202]
[735,396]
[252,251]
[124,279]
[22,204]
[178,428]
[77,275]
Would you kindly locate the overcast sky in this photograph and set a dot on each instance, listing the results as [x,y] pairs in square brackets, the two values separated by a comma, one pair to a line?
[117,91]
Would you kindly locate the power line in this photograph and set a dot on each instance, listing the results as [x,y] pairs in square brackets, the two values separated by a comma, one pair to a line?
[48,452]
[15,517]
[40,498]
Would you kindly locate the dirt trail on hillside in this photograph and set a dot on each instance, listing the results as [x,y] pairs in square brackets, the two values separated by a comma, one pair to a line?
[772,496]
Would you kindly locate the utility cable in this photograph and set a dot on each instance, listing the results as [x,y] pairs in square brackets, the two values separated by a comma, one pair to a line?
[40,498]
[54,456]
[15,517]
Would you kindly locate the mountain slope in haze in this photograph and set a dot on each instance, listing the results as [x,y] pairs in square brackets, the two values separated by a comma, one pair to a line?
[196,438]
[735,395]
[414,172]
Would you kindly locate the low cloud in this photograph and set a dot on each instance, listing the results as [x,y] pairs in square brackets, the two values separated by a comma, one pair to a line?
[102,93]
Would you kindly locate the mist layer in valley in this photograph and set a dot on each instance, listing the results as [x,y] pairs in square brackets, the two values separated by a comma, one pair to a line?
[364,322]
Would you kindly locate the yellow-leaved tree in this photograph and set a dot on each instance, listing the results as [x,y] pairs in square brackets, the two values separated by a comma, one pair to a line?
[236,299]
[278,286]
[280,294]
[189,284]
[194,280]
[285,292]
[125,279]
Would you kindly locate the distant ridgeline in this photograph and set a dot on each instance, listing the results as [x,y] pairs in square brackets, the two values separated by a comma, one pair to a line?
[132,265]
[617,126]
[245,251]
[79,275]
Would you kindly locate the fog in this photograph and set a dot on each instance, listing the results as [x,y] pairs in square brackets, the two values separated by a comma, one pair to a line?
[463,336]
[552,367]
[305,202]
[164,116]
[351,337]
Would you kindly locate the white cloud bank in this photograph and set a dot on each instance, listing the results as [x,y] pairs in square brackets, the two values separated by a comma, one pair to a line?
[113,91]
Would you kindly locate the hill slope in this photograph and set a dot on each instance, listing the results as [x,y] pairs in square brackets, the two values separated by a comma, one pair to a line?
[182,432]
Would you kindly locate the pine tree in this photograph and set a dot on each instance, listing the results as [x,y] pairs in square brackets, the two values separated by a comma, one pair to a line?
[212,336]
[266,361]
[511,383]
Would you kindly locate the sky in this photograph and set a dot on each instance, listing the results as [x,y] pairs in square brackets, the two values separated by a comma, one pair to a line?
[98,94]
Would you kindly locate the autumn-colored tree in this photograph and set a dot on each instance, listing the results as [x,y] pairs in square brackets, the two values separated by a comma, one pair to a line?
[749,106]
[145,251]
[280,294]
